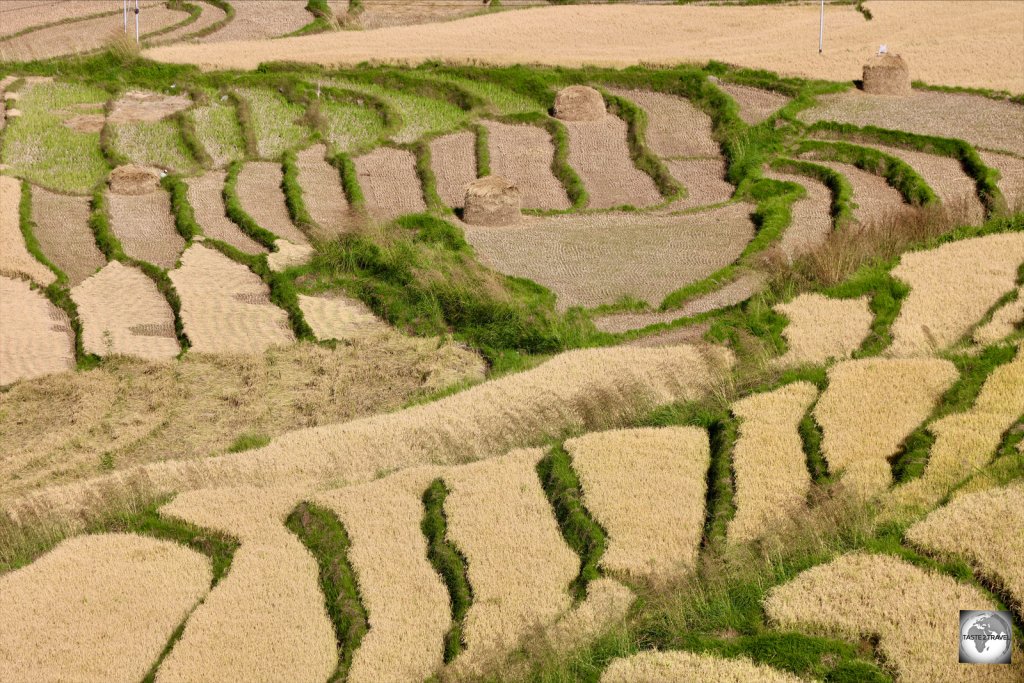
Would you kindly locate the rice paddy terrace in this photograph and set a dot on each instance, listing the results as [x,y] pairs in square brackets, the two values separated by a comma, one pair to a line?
[755,351]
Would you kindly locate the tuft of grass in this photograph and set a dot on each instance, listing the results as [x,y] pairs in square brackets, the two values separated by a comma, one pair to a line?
[448,562]
[482,150]
[248,441]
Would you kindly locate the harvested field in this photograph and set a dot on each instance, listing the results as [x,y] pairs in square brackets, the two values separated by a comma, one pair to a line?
[675,128]
[419,115]
[35,337]
[658,667]
[266,620]
[965,442]
[97,608]
[768,460]
[691,334]
[219,133]
[15,258]
[646,488]
[948,531]
[974,38]
[206,197]
[704,180]
[518,565]
[136,106]
[62,228]
[56,429]
[859,595]
[523,154]
[350,127]
[1011,182]
[578,390]
[274,120]
[210,16]
[981,121]
[386,13]
[870,406]
[225,307]
[406,602]
[122,312]
[144,225]
[607,602]
[19,15]
[286,255]
[1004,321]
[389,182]
[259,191]
[873,198]
[322,192]
[951,288]
[261,19]
[589,260]
[756,104]
[598,151]
[157,143]
[453,158]
[822,329]
[735,292]
[811,217]
[340,318]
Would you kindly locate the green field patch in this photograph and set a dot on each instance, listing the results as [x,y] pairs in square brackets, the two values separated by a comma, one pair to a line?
[275,122]
[156,143]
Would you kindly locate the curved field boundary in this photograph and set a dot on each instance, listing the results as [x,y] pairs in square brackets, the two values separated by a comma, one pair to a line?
[769,464]
[896,173]
[704,180]
[259,20]
[15,258]
[822,329]
[869,408]
[145,227]
[873,199]
[658,667]
[524,154]
[811,216]
[213,16]
[388,179]
[322,192]
[259,191]
[646,488]
[454,162]
[756,105]
[129,594]
[409,115]
[882,596]
[675,127]
[206,197]
[1005,321]
[600,154]
[35,338]
[1011,181]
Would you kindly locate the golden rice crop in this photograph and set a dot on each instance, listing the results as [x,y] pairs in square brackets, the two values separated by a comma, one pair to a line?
[579,390]
[658,667]
[998,548]
[965,442]
[518,564]
[97,608]
[1004,321]
[768,460]
[607,601]
[951,289]
[339,318]
[406,602]
[15,258]
[646,487]
[912,611]
[821,328]
[870,407]
[266,620]
[35,335]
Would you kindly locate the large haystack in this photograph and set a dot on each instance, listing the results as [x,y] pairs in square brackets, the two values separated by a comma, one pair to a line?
[134,180]
[579,103]
[492,201]
[886,74]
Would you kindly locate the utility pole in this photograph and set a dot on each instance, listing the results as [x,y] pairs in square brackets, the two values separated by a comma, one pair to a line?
[126,16]
[821,29]
[137,21]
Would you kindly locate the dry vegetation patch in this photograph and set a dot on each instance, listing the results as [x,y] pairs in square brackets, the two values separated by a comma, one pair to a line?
[646,488]
[600,154]
[951,289]
[769,464]
[62,228]
[156,143]
[595,259]
[811,217]
[870,406]
[35,335]
[122,312]
[389,182]
[15,258]
[261,196]
[453,158]
[874,200]
[225,307]
[206,197]
[261,19]
[523,154]
[821,328]
[274,121]
[861,595]
[756,104]
[97,608]
[658,667]
[1005,320]
[340,318]
[145,227]
[322,192]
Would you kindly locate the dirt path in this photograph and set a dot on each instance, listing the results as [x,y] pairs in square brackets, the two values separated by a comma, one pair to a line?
[599,153]
[756,104]
[389,182]
[145,227]
[205,195]
[35,337]
[62,228]
[872,195]
[259,191]
[453,158]
[811,217]
[523,155]
[322,192]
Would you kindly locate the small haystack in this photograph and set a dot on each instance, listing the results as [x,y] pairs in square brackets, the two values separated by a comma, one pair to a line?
[134,180]
[492,201]
[886,74]
[579,103]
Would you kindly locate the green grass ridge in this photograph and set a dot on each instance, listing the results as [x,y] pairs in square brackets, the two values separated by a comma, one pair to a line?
[449,563]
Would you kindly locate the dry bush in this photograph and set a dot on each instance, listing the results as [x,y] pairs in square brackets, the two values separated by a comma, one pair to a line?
[822,329]
[996,551]
[35,337]
[1004,321]
[660,667]
[646,488]
[869,408]
[97,608]
[266,620]
[15,258]
[518,564]
[861,595]
[772,481]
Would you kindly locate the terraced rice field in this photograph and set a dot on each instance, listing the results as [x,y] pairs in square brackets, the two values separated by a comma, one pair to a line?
[1004,321]
[350,127]
[21,15]
[522,154]
[704,180]
[62,228]
[257,19]
[274,122]
[15,259]
[339,318]
[206,197]
[218,131]
[35,338]
[145,227]
[260,194]
[211,14]
[322,192]
[755,104]
[418,115]
[1011,180]
[811,216]
[453,158]
[599,153]
[822,329]
[873,198]
[675,127]
[654,667]
[157,143]
[390,183]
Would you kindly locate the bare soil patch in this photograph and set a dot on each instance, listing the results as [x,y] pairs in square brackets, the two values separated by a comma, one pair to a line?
[259,191]
[132,179]
[1011,184]
[340,318]
[453,158]
[874,198]
[86,123]
[523,155]
[675,128]
[225,307]
[62,228]
[389,182]
[145,227]
[589,260]
[15,258]
[322,192]
[756,104]
[811,217]
[261,19]
[139,105]
[206,196]
[600,154]
[35,335]
[704,180]
[122,312]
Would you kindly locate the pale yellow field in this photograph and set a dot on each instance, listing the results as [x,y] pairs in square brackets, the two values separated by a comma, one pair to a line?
[35,335]
[663,667]
[972,44]
[15,258]
[1004,321]
[821,329]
